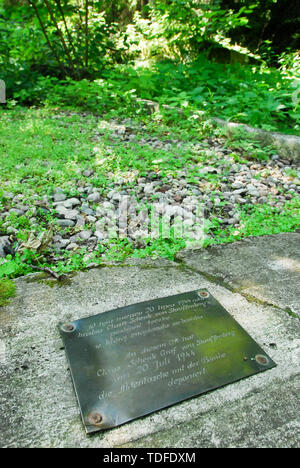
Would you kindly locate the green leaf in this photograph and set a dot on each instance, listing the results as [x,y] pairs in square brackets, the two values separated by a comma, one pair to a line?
[8,268]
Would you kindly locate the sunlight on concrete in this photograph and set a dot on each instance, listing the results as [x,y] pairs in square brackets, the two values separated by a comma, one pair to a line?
[284,263]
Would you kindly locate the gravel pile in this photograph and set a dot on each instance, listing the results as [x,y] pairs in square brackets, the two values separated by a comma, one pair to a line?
[89,217]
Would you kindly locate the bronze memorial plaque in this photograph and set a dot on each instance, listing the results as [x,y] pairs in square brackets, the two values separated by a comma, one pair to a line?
[131,361]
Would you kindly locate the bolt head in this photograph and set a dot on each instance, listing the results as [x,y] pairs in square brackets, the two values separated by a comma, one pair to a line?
[203,294]
[68,327]
[95,418]
[261,359]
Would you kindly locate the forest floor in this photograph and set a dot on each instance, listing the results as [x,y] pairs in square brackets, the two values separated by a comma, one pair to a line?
[78,190]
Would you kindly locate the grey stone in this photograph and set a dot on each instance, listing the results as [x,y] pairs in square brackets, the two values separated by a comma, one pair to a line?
[65,242]
[235,168]
[65,222]
[11,230]
[45,200]
[148,105]
[18,198]
[74,238]
[61,209]
[232,221]
[239,191]
[8,195]
[100,235]
[23,208]
[252,190]
[80,221]
[4,240]
[86,210]
[72,246]
[149,189]
[240,200]
[85,235]
[16,211]
[71,214]
[71,202]
[87,173]
[59,197]
[94,197]
[117,197]
[287,146]
[111,194]
[59,246]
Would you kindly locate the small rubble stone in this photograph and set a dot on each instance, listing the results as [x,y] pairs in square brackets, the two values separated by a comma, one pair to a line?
[71,214]
[94,197]
[88,173]
[85,235]
[16,211]
[72,246]
[71,202]
[65,223]
[80,221]
[149,189]
[86,210]
[59,197]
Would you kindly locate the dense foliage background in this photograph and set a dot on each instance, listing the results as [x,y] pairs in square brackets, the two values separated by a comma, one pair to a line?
[237,59]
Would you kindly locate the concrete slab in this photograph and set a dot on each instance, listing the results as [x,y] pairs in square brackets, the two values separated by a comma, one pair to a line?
[266,268]
[37,403]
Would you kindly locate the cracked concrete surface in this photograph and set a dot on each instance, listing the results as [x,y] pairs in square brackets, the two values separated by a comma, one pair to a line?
[255,280]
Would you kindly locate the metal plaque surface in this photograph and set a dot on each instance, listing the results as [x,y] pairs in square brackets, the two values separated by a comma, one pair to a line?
[131,361]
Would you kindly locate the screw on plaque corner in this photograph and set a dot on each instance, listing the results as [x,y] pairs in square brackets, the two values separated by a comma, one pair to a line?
[261,359]
[203,294]
[68,327]
[95,418]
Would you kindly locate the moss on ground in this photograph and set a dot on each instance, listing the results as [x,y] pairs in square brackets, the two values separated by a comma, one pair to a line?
[7,290]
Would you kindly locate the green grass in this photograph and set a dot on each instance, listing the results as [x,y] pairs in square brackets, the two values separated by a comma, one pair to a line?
[36,148]
[260,220]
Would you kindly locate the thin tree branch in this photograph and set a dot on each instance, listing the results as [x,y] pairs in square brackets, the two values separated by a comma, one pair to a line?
[66,26]
[31,2]
[80,17]
[61,36]
[86,33]
[48,270]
